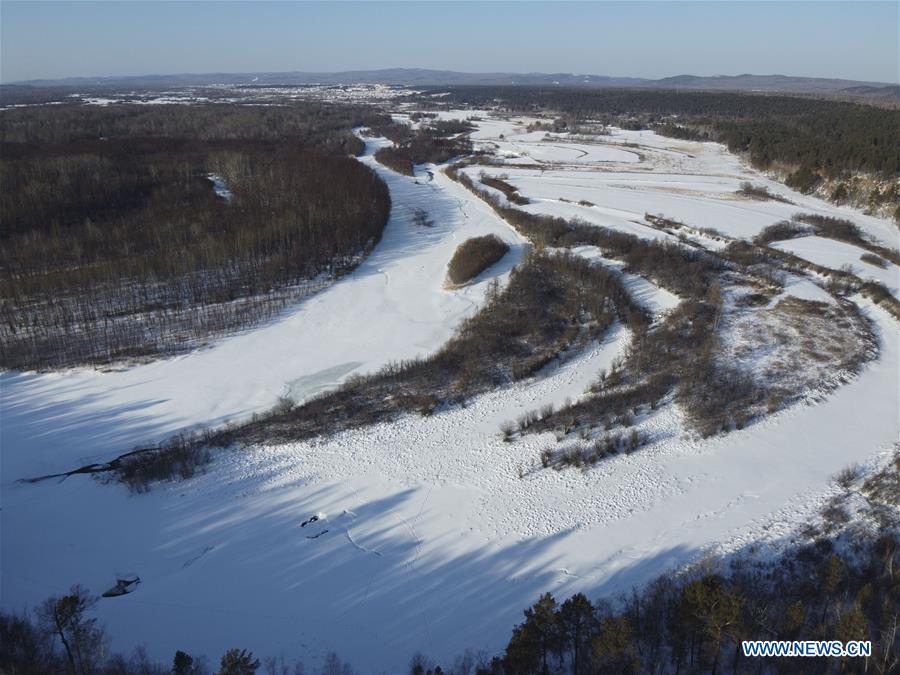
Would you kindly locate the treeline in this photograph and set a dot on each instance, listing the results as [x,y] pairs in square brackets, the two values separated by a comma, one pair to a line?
[812,138]
[695,623]
[838,583]
[63,637]
[692,622]
[315,124]
[123,245]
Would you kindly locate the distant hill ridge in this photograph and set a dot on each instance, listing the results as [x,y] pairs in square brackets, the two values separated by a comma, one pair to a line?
[427,77]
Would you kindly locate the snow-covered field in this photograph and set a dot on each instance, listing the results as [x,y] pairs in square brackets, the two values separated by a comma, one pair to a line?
[840,255]
[433,533]
[695,183]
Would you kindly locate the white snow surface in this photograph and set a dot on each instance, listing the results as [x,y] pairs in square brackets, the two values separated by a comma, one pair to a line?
[220,187]
[630,173]
[392,307]
[838,255]
[433,533]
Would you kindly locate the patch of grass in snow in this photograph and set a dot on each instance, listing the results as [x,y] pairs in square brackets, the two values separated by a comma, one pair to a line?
[799,346]
[873,259]
[761,193]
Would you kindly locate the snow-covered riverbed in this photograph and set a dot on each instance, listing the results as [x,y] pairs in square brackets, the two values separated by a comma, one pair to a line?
[438,532]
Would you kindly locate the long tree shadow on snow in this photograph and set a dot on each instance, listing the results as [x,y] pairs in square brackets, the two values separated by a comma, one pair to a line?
[373,584]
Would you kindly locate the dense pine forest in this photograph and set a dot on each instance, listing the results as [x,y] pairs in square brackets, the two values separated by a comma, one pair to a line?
[132,230]
[809,140]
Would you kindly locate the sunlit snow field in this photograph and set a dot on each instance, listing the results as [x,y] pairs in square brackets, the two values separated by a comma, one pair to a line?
[438,532]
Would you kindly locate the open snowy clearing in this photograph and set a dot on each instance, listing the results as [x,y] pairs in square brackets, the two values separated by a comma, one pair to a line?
[695,183]
[430,533]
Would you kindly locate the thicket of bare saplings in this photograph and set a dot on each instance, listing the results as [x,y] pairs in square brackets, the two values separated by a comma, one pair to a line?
[781,231]
[436,143]
[761,193]
[474,256]
[119,245]
[552,304]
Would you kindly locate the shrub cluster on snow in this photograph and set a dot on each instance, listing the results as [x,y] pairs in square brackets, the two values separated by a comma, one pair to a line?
[499,183]
[474,256]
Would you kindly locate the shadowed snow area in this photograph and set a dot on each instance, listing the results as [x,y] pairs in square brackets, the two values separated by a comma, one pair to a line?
[431,533]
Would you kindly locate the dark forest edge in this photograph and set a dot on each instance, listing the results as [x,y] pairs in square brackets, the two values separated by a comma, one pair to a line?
[142,231]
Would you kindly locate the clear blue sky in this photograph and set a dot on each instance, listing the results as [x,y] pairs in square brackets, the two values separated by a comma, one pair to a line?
[856,40]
